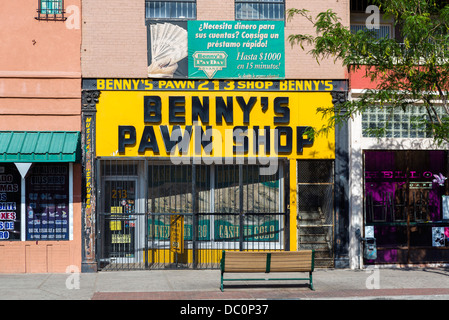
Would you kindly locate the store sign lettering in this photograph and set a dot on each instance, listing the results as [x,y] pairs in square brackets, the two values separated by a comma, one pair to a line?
[9,187]
[212,85]
[159,230]
[398,175]
[214,125]
[7,206]
[221,49]
[7,216]
[225,110]
[268,231]
[223,231]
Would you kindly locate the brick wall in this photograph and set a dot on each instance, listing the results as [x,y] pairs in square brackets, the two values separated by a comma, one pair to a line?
[300,64]
[114,41]
[215,10]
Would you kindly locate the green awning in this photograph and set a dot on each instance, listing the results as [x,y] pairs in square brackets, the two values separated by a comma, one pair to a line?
[39,146]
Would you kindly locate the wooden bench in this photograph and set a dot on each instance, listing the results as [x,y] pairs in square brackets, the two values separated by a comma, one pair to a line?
[267,262]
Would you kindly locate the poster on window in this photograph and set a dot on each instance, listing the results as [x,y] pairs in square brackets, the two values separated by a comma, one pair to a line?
[440,236]
[47,202]
[216,49]
[167,49]
[10,191]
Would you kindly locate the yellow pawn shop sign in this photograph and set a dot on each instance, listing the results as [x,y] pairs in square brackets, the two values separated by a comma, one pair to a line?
[214,123]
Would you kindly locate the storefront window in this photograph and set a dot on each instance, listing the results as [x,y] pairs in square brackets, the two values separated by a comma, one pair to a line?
[404,192]
[259,202]
[10,192]
[47,202]
[153,208]
[218,201]
[259,9]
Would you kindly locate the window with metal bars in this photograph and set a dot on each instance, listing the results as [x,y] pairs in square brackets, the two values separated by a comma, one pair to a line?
[384,31]
[359,5]
[170,9]
[259,9]
[51,10]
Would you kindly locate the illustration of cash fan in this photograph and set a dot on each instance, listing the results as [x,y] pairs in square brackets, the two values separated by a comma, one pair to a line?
[168,46]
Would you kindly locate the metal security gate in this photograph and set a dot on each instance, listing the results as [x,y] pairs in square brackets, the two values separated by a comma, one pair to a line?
[316,209]
[154,214]
[121,217]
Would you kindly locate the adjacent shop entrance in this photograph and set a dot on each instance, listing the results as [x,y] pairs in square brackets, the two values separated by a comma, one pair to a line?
[156,214]
[316,209]
[406,206]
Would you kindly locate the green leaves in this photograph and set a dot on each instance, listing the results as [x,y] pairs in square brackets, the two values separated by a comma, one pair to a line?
[410,71]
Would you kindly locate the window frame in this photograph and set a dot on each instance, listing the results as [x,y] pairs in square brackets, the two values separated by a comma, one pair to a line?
[57,16]
[258,2]
[378,32]
[181,18]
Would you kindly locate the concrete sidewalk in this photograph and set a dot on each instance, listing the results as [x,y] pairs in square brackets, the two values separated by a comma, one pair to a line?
[383,283]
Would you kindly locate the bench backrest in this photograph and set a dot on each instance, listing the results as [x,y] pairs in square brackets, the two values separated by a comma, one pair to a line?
[275,261]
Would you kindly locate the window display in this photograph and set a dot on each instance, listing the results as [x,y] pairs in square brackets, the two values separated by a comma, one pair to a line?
[10,190]
[47,202]
[404,192]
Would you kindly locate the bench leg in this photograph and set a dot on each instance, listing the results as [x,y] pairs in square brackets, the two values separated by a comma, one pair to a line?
[221,283]
[311,281]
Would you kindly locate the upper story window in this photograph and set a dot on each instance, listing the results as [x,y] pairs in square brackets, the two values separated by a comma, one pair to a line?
[50,10]
[383,31]
[364,18]
[170,9]
[259,9]
[397,124]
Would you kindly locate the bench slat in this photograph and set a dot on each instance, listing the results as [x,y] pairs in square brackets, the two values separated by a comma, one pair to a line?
[274,261]
[291,261]
[245,261]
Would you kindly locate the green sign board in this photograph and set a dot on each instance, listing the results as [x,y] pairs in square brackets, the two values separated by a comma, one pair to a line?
[236,50]
[224,230]
[267,231]
[159,229]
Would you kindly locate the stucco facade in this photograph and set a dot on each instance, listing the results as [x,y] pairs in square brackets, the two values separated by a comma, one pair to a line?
[40,90]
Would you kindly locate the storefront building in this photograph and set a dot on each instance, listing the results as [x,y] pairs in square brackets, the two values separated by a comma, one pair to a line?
[196,141]
[40,145]
[398,191]
[398,186]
